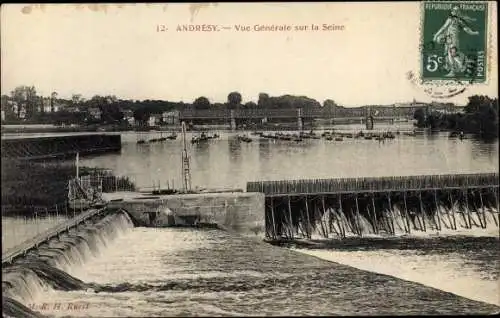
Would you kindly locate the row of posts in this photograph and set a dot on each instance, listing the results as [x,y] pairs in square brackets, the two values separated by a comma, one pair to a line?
[386,224]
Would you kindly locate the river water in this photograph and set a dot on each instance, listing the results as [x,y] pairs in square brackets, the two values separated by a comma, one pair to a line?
[179,272]
[228,163]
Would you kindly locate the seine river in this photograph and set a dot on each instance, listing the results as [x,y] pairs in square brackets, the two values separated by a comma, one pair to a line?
[226,162]
[179,272]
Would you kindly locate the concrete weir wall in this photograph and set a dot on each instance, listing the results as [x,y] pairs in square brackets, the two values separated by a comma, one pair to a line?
[237,211]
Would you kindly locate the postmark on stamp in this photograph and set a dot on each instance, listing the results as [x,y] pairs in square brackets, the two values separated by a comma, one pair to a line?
[454,42]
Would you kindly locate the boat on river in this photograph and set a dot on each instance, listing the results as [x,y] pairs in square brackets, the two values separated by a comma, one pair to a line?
[172,136]
[244,138]
[203,137]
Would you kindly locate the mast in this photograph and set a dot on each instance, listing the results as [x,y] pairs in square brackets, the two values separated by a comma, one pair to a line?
[77,163]
[185,162]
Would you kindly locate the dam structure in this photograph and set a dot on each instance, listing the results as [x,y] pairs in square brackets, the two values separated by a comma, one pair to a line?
[56,147]
[271,210]
[380,206]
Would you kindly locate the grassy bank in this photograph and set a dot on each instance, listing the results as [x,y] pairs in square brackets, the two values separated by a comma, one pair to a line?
[28,186]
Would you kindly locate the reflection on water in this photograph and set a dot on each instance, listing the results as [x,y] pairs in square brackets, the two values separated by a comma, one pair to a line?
[227,162]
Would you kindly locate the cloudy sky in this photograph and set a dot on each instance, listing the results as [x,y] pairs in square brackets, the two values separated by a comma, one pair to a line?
[117,50]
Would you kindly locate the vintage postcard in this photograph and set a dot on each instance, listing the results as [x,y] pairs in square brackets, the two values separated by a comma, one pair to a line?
[250,159]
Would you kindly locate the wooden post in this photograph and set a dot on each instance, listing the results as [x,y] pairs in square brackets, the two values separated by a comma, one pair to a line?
[342,226]
[308,231]
[483,224]
[266,215]
[324,213]
[437,210]
[422,211]
[392,213]
[77,163]
[292,230]
[358,217]
[467,208]
[406,214]
[452,212]
[498,211]
[374,214]
[300,224]
[317,217]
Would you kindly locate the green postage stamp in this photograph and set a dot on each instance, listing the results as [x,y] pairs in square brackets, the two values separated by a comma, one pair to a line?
[454,41]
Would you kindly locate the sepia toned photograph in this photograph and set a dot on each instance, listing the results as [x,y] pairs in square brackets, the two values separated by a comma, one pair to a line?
[250,159]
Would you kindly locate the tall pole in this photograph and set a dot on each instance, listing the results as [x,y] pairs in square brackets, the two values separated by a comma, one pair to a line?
[77,165]
[185,161]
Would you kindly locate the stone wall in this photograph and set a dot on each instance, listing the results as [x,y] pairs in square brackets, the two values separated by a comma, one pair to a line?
[240,212]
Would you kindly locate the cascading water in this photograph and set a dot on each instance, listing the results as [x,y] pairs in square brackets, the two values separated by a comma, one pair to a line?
[394,222]
[52,265]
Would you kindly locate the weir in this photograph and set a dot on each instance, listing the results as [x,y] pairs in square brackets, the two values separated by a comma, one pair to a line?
[49,265]
[386,205]
[37,148]
[21,250]
[47,260]
[280,209]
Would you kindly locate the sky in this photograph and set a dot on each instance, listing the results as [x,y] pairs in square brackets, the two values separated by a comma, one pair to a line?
[117,50]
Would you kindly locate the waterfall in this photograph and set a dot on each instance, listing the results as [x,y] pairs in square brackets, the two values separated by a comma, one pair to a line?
[396,222]
[52,265]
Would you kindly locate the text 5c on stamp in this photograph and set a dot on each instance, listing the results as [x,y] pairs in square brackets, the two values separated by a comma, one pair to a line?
[454,41]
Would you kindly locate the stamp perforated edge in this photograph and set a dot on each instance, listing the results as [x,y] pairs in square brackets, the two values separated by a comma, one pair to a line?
[488,47]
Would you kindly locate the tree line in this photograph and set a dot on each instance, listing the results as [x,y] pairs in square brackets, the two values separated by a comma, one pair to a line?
[480,117]
[24,104]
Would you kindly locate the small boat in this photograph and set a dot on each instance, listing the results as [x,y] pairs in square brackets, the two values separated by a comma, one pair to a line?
[329,138]
[339,139]
[173,136]
[244,138]
[142,141]
[389,135]
[368,137]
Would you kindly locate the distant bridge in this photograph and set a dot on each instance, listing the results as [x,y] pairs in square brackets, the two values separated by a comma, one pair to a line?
[305,113]
[300,115]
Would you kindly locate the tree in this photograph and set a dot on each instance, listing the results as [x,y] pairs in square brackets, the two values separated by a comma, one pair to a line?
[251,105]
[263,100]
[25,97]
[329,104]
[53,98]
[76,99]
[111,113]
[142,115]
[419,116]
[234,99]
[201,103]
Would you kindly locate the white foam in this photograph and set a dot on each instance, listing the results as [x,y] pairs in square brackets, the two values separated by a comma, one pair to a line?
[445,272]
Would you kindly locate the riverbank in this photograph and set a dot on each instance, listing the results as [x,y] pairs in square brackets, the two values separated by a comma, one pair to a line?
[28,187]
